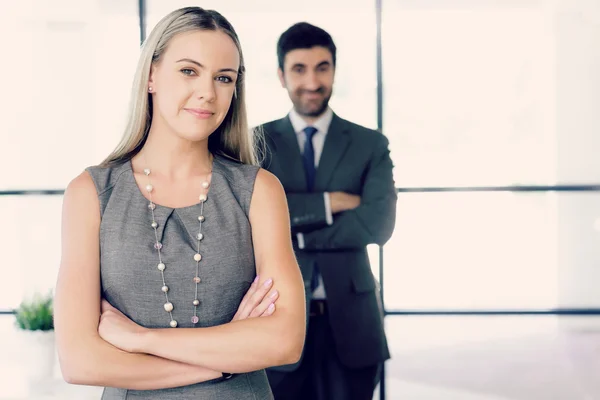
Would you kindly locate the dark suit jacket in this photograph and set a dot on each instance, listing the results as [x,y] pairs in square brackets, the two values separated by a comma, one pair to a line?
[354,160]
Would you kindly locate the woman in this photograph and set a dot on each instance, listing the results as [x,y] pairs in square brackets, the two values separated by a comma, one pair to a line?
[173,230]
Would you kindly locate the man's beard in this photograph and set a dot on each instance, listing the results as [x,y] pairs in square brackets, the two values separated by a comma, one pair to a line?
[312,112]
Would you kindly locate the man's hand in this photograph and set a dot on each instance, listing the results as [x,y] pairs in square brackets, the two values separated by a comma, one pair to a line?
[256,303]
[341,201]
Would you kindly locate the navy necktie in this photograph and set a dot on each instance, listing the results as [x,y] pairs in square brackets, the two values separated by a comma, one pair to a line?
[308,157]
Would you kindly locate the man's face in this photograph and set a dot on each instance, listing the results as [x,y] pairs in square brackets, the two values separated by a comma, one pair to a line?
[308,77]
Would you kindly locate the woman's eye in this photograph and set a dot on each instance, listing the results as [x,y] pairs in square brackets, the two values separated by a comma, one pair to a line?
[225,79]
[187,71]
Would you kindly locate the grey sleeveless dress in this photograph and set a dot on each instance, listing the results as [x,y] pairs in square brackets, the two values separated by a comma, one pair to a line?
[132,283]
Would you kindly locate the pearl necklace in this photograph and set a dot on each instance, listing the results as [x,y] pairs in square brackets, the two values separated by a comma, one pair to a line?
[168,306]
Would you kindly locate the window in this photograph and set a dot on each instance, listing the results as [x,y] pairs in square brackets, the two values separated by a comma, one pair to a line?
[468,100]
[30,246]
[259,24]
[65,87]
[472,251]
[487,93]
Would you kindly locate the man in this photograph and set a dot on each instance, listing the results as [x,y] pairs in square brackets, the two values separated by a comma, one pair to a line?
[341,195]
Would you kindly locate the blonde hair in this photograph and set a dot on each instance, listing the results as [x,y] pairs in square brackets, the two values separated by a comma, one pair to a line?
[233,138]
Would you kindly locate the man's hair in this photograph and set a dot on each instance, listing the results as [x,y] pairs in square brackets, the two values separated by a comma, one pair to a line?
[303,36]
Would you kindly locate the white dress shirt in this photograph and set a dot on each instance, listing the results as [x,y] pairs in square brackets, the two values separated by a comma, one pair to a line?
[322,126]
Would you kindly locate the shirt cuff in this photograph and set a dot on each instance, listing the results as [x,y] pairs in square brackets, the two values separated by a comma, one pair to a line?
[300,238]
[328,215]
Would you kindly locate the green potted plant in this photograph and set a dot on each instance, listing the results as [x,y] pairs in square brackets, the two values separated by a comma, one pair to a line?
[34,319]
[36,314]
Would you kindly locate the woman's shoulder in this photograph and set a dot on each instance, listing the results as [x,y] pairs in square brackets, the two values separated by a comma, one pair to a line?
[235,172]
[267,181]
[105,177]
[252,176]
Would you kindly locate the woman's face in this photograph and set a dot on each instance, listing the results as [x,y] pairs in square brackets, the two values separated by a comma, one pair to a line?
[193,83]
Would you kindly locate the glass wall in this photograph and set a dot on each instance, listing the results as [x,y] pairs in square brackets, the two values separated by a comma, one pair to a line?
[486,93]
[454,251]
[470,92]
[259,24]
[65,87]
[475,93]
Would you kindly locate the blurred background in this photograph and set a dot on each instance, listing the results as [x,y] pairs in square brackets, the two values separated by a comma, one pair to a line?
[491,279]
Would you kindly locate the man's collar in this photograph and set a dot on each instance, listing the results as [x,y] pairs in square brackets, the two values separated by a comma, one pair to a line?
[322,123]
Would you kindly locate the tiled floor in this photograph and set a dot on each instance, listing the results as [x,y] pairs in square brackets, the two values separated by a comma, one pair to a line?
[434,358]
[494,358]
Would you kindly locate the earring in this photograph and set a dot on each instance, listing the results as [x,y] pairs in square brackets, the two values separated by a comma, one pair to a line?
[150,89]
[235,92]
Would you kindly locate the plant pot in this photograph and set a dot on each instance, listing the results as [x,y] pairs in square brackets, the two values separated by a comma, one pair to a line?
[38,350]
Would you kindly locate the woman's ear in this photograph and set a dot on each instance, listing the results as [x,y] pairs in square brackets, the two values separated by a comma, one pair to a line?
[151,80]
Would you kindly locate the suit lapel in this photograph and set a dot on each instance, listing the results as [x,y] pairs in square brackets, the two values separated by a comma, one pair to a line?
[336,143]
[288,153]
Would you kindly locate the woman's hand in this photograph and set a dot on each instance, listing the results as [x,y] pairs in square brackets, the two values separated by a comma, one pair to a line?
[259,301]
[123,333]
[118,330]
